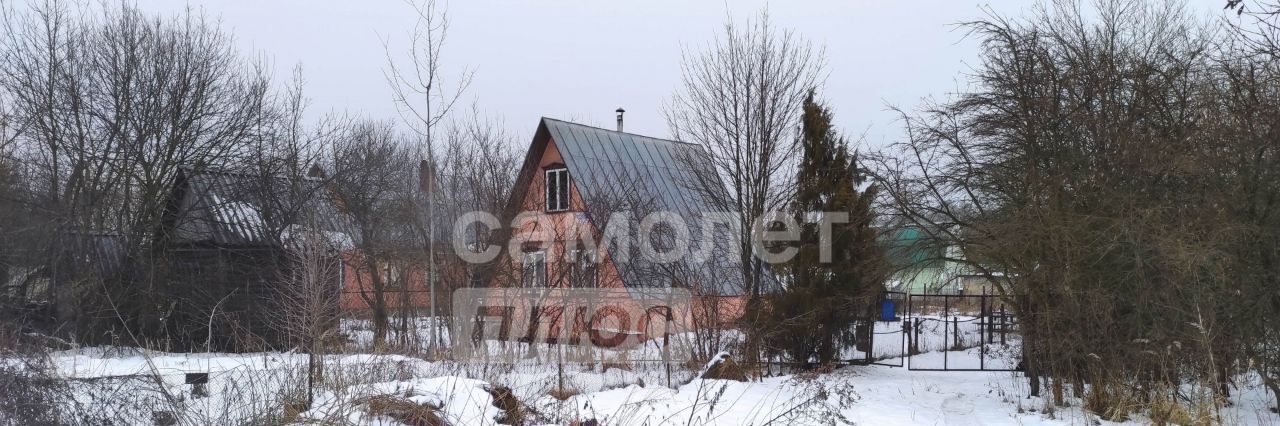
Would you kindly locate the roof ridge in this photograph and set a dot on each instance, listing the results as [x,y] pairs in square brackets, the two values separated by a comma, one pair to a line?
[615,131]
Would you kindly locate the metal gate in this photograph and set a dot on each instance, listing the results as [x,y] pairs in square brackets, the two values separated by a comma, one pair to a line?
[881,337]
[939,332]
[958,332]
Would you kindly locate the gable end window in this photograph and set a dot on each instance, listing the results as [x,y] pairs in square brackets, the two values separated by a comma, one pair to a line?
[557,185]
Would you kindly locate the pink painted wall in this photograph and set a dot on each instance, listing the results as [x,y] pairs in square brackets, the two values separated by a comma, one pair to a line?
[714,310]
[559,227]
[357,279]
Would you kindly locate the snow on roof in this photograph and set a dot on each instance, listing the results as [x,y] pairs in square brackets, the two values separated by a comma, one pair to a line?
[235,209]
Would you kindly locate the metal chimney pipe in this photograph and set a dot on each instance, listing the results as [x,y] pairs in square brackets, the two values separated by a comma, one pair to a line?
[620,111]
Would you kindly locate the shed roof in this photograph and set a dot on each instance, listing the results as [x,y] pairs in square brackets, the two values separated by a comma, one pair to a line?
[235,209]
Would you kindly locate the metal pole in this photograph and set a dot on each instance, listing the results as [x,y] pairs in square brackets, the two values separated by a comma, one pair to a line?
[946,310]
[984,331]
[908,334]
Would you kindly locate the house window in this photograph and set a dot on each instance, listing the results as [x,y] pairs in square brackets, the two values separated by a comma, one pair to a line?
[583,271]
[535,269]
[392,279]
[557,189]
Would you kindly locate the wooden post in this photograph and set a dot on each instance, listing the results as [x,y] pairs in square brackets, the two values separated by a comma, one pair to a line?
[871,338]
[955,329]
[559,365]
[906,335]
[915,343]
[987,318]
[1004,324]
[991,323]
[666,341]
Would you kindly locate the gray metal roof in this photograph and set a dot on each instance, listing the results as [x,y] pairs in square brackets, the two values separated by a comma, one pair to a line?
[238,209]
[655,175]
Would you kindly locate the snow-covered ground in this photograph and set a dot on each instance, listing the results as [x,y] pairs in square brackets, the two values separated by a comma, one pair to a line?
[130,386]
[243,386]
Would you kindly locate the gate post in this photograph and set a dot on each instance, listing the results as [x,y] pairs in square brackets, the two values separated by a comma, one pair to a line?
[946,310]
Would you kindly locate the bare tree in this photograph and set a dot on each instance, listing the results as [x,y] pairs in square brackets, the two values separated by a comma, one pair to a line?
[1106,176]
[741,99]
[306,305]
[475,173]
[423,101]
[1247,113]
[374,177]
[1259,28]
[109,104]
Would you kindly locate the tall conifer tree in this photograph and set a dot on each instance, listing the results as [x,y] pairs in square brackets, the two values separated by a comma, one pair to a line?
[814,316]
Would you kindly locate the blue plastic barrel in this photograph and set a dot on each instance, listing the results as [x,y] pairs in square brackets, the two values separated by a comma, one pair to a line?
[888,311]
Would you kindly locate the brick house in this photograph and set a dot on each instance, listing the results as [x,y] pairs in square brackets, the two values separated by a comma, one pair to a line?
[575,177]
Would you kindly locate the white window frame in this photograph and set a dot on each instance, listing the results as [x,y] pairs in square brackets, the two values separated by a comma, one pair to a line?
[562,200]
[583,261]
[392,276]
[534,276]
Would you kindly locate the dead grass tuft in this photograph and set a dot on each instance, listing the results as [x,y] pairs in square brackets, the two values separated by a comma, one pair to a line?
[726,369]
[513,412]
[563,394]
[1109,401]
[403,410]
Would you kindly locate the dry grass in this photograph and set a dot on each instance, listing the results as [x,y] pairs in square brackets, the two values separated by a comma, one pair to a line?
[1200,410]
[294,409]
[513,412]
[562,394]
[1110,401]
[620,362]
[726,369]
[403,410]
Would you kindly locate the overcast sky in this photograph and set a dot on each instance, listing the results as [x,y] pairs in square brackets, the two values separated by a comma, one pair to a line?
[583,59]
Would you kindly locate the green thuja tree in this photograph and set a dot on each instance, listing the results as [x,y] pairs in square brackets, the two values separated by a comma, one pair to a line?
[832,280]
